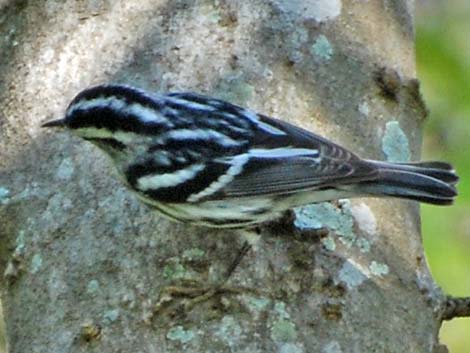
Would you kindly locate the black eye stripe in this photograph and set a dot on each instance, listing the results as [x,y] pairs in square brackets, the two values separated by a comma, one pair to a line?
[108,142]
[104,117]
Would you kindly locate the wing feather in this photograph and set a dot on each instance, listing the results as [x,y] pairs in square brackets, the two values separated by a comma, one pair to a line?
[278,158]
[280,176]
[296,161]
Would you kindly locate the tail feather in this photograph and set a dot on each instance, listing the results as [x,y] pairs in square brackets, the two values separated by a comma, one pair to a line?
[430,182]
[439,170]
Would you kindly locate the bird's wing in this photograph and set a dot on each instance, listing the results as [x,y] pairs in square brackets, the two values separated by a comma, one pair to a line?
[273,157]
[285,159]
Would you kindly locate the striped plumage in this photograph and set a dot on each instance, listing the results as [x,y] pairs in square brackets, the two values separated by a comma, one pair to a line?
[202,160]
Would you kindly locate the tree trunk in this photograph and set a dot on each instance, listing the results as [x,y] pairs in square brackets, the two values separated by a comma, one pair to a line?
[88,268]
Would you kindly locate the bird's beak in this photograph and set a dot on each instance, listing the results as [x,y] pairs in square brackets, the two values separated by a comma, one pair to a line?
[54,123]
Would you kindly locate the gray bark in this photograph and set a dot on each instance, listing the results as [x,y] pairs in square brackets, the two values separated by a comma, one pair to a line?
[86,264]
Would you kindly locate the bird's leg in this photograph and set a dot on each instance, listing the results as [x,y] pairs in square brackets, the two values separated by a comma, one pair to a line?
[234,264]
[220,287]
[195,293]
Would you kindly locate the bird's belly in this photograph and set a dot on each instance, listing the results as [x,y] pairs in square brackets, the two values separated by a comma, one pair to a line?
[243,211]
[230,213]
[233,213]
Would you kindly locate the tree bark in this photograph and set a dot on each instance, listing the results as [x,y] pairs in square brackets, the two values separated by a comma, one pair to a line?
[86,265]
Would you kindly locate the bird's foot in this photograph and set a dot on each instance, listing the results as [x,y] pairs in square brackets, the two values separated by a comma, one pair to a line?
[183,298]
[186,298]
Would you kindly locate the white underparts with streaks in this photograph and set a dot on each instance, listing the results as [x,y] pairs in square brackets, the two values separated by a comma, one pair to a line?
[237,212]
[241,211]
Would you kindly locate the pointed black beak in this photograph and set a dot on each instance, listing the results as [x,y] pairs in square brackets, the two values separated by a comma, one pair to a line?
[54,123]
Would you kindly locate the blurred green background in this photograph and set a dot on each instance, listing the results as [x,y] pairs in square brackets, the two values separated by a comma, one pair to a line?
[443,58]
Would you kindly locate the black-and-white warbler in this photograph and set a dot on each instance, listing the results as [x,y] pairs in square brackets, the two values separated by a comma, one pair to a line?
[208,162]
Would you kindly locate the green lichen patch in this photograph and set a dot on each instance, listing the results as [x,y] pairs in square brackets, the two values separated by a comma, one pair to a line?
[175,270]
[322,48]
[395,143]
[283,331]
[178,333]
[332,347]
[378,269]
[4,195]
[326,215]
[65,170]
[111,316]
[20,242]
[280,309]
[193,254]
[291,348]
[258,304]
[320,11]
[329,243]
[92,286]
[363,244]
[230,331]
[36,263]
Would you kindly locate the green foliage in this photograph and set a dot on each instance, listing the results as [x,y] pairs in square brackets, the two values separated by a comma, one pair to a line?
[443,53]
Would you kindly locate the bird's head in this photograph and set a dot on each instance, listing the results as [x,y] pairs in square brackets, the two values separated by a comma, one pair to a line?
[113,117]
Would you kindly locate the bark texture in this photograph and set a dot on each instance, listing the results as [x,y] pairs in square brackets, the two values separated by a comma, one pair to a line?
[85,264]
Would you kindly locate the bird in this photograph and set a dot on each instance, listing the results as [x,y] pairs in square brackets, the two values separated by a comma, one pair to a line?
[204,161]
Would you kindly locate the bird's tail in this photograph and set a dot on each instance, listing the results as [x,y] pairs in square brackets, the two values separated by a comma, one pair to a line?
[430,182]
